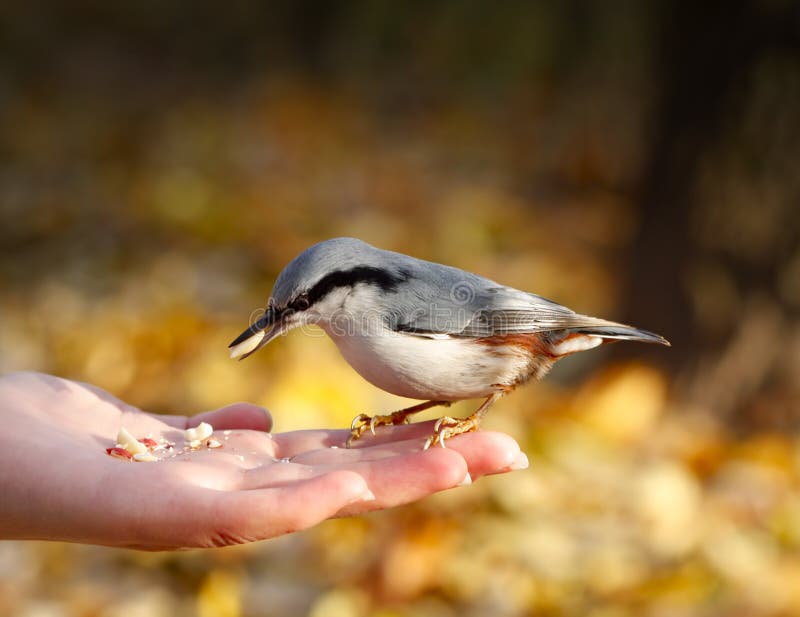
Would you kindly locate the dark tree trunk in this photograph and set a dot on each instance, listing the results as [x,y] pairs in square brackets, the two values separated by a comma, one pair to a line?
[704,56]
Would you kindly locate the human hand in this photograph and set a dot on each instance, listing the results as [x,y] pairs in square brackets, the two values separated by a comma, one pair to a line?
[58,483]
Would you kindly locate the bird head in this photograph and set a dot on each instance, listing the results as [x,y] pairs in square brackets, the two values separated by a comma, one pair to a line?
[314,286]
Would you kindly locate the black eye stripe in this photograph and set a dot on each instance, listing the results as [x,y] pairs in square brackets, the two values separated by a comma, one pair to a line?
[384,279]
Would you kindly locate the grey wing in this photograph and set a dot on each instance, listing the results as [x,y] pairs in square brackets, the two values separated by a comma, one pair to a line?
[439,301]
[494,320]
[517,313]
[540,315]
[450,302]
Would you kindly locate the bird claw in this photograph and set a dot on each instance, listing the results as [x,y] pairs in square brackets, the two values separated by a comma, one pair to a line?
[359,420]
[362,422]
[447,427]
[445,420]
[357,428]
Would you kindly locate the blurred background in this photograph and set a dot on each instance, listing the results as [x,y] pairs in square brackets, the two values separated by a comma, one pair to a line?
[160,162]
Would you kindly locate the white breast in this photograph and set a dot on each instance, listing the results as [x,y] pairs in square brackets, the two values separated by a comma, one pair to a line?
[430,368]
[427,368]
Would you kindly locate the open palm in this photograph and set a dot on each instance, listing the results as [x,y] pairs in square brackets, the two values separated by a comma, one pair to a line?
[58,483]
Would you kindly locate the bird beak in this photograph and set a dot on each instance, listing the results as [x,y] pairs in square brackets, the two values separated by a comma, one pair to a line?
[266,328]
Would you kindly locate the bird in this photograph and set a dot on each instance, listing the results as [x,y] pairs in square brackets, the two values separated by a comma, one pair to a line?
[423,330]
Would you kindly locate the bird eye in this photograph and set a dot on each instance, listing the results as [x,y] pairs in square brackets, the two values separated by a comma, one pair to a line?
[300,303]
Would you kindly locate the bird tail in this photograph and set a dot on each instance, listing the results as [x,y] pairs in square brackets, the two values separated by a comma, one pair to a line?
[594,332]
[620,332]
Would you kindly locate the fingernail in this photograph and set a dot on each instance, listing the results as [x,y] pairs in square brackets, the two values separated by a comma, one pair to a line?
[520,462]
[466,481]
[367,495]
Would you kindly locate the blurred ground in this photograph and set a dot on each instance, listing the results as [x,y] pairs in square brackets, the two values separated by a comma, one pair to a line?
[158,168]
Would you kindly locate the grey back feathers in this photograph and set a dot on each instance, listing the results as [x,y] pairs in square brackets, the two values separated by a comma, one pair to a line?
[430,299]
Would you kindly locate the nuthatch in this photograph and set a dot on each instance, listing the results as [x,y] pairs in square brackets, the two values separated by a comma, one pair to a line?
[423,330]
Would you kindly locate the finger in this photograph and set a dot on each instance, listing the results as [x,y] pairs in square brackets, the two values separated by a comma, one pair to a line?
[485,452]
[293,443]
[488,452]
[394,479]
[398,472]
[319,462]
[409,477]
[235,416]
[397,465]
[265,513]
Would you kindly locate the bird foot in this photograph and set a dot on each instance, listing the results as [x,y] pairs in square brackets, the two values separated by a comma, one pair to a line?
[447,427]
[362,422]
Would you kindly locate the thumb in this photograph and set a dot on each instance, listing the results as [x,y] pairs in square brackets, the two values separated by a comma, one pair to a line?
[235,416]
